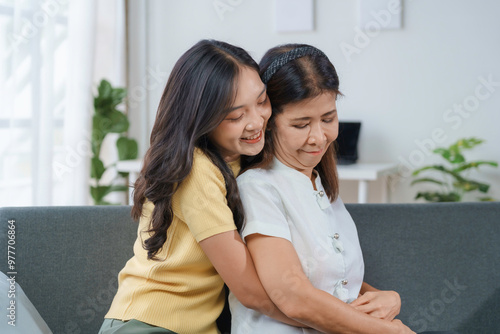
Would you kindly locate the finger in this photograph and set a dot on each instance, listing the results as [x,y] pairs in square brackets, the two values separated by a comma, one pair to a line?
[361,300]
[366,308]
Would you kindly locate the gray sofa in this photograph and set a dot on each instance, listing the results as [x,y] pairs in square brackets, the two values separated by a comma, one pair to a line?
[443,259]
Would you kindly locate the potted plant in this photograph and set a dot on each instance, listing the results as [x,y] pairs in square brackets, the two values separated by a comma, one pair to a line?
[108,119]
[454,181]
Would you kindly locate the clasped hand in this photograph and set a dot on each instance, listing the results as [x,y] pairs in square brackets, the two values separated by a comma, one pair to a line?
[380,304]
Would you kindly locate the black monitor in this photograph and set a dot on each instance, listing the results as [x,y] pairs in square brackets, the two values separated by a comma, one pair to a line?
[347,142]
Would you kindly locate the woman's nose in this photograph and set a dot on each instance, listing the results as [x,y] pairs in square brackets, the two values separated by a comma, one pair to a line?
[316,135]
[256,121]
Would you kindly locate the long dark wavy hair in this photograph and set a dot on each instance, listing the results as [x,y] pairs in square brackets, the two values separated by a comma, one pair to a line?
[302,78]
[197,97]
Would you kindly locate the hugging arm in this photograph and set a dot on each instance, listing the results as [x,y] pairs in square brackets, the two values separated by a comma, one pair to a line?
[280,272]
[225,250]
[233,262]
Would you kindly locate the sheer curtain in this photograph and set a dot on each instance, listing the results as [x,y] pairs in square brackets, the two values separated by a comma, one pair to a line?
[48,74]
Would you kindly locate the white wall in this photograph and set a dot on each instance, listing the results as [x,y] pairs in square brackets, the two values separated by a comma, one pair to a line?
[401,85]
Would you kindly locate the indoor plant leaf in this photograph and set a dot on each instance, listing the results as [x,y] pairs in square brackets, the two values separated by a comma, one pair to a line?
[457,164]
[99,192]
[114,122]
[427,179]
[118,95]
[418,171]
[468,143]
[119,122]
[486,199]
[96,168]
[118,188]
[445,153]
[474,164]
[127,148]
[469,185]
[108,119]
[439,197]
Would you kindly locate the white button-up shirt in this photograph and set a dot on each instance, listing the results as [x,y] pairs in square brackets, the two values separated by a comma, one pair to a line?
[281,202]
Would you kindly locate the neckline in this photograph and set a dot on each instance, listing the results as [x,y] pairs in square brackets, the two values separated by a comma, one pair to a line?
[278,165]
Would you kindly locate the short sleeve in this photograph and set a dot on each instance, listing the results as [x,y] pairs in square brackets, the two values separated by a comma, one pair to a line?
[264,210]
[200,201]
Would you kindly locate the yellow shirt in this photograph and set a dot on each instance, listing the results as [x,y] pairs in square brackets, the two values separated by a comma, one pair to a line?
[182,291]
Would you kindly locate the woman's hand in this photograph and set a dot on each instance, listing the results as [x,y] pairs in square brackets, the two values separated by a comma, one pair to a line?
[399,327]
[380,304]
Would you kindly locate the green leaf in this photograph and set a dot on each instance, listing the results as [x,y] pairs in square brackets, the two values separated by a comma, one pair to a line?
[457,158]
[100,127]
[427,179]
[469,185]
[452,154]
[446,154]
[486,199]
[99,192]
[104,203]
[468,143]
[115,122]
[118,95]
[439,197]
[475,164]
[418,171]
[96,168]
[119,122]
[104,88]
[127,148]
[108,98]
[441,169]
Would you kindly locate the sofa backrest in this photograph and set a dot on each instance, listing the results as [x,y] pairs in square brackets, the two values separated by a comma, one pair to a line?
[67,260]
[443,259]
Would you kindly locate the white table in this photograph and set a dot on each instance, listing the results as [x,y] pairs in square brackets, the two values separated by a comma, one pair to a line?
[365,172]
[362,172]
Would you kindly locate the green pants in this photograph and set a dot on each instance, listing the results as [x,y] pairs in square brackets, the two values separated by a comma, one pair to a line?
[113,326]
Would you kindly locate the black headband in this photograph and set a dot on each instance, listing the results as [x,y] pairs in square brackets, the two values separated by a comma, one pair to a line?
[287,57]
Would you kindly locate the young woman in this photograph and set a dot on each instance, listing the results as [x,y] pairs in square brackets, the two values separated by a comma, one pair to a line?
[214,108]
[302,239]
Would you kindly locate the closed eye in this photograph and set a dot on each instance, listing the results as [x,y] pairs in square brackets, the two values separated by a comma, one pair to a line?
[234,119]
[300,126]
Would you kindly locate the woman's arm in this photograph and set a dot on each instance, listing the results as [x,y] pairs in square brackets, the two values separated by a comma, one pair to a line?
[380,304]
[230,257]
[280,272]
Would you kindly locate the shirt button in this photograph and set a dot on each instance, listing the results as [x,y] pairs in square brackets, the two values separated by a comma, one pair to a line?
[321,193]
[336,235]
[344,282]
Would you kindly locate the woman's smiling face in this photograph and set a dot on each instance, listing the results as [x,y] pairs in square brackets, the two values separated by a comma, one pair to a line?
[242,130]
[303,131]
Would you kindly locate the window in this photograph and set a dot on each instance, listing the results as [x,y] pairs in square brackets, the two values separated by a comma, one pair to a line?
[33,75]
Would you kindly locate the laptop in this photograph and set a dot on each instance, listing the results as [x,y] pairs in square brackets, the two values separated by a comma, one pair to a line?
[347,142]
